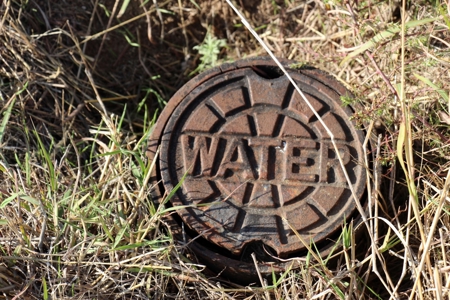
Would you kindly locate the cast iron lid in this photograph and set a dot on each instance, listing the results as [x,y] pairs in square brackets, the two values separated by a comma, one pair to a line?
[253,162]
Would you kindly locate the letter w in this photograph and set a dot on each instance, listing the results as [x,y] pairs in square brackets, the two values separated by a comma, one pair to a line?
[199,153]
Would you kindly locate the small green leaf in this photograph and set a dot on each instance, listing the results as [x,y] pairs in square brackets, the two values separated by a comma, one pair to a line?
[209,51]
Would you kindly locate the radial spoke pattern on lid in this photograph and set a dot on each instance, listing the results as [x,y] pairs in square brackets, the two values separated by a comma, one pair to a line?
[255,164]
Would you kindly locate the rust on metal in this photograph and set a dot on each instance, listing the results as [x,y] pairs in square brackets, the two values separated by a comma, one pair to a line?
[253,163]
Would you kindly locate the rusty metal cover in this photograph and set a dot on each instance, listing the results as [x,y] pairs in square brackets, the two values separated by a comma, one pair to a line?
[254,164]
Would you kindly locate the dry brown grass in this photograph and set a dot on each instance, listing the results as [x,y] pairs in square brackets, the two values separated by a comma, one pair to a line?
[78,98]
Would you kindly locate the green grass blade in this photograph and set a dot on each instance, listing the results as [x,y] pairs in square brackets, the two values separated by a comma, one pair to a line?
[48,160]
[8,200]
[428,82]
[123,8]
[175,189]
[7,113]
[45,289]
[119,236]
[6,116]
[384,35]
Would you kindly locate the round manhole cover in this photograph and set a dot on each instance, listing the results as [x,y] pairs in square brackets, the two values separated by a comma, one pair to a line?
[253,163]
